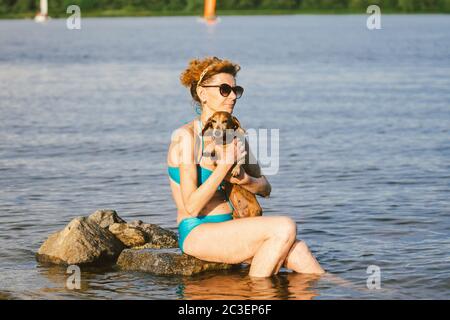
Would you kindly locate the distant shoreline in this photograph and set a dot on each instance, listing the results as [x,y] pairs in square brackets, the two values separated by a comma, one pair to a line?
[147,13]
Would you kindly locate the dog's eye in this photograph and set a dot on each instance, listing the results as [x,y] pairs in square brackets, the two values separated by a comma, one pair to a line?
[213,121]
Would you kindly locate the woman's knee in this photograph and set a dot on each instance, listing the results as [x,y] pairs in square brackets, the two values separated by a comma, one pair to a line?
[302,247]
[285,228]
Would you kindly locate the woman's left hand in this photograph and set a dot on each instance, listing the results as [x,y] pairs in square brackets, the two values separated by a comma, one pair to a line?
[242,178]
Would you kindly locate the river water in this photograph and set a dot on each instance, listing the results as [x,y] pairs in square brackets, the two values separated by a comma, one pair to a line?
[364,167]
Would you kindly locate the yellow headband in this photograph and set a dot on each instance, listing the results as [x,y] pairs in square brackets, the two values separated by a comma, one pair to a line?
[203,74]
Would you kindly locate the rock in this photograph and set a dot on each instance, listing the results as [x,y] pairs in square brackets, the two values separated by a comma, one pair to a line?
[5,296]
[102,237]
[136,223]
[105,218]
[165,262]
[129,235]
[81,242]
[157,237]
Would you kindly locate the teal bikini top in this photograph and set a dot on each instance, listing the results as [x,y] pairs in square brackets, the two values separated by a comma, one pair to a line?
[202,173]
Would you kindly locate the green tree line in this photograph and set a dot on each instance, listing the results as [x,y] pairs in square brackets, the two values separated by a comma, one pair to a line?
[58,7]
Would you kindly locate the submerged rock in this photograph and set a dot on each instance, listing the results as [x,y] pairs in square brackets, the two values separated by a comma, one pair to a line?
[165,262]
[129,235]
[81,242]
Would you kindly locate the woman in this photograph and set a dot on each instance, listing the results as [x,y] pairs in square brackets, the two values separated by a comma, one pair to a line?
[206,228]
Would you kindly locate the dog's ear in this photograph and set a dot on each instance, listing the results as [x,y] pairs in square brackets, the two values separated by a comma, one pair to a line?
[235,122]
[208,125]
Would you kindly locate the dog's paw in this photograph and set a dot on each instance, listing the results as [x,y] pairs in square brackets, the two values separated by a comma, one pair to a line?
[236,171]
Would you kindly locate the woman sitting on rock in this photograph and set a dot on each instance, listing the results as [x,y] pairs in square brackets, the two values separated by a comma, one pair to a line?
[206,228]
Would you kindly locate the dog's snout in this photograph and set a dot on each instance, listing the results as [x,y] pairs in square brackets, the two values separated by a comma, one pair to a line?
[217,133]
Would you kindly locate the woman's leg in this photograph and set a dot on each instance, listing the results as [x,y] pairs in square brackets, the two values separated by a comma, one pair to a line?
[301,260]
[267,240]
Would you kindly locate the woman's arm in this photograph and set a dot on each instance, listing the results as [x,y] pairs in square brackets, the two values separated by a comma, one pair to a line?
[259,186]
[195,198]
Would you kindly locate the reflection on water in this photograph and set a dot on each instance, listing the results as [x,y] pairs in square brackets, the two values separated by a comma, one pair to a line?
[215,285]
[238,285]
[220,285]
[58,276]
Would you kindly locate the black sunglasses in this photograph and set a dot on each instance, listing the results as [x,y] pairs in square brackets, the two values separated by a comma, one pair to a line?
[225,90]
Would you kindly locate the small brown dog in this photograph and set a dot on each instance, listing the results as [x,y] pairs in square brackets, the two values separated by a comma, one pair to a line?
[224,128]
[244,202]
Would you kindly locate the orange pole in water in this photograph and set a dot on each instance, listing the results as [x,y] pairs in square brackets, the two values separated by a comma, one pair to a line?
[210,10]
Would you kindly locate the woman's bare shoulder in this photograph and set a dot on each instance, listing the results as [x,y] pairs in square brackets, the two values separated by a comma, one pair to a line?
[185,131]
[182,139]
[181,145]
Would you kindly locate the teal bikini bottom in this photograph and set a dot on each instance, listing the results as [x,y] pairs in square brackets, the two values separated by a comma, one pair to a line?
[188,224]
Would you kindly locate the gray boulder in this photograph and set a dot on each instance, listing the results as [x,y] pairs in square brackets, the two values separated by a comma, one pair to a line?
[165,262]
[105,218]
[157,237]
[129,235]
[81,242]
[101,238]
